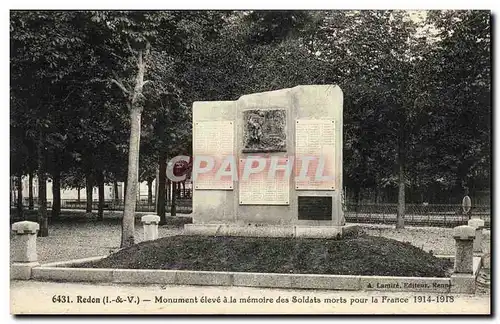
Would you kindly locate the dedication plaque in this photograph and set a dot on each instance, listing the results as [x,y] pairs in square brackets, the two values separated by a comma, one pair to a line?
[261,189]
[214,139]
[315,142]
[315,208]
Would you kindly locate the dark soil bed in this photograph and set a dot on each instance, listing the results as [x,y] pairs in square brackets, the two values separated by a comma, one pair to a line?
[363,255]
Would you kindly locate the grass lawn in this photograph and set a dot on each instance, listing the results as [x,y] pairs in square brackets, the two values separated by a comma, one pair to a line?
[363,255]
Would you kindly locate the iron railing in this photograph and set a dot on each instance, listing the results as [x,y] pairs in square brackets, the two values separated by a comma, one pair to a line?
[445,215]
[183,205]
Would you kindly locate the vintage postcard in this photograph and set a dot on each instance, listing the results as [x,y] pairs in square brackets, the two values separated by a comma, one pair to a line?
[250,162]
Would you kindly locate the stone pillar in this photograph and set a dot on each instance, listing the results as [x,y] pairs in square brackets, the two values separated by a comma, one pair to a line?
[463,279]
[24,256]
[477,224]
[464,236]
[150,223]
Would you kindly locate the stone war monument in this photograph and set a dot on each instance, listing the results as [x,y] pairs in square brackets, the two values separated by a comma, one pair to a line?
[269,164]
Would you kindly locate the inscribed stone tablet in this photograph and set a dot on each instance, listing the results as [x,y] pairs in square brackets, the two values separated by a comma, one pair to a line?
[262,189]
[213,139]
[315,143]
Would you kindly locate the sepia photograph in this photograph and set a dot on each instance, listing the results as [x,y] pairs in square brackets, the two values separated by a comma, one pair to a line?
[250,162]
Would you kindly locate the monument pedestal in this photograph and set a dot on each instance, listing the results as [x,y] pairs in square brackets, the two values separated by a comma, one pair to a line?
[270,164]
[262,230]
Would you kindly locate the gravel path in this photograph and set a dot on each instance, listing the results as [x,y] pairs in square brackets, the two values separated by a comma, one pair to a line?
[436,239]
[80,240]
[85,239]
[439,240]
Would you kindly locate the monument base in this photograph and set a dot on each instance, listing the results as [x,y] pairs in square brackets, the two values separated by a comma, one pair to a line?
[259,230]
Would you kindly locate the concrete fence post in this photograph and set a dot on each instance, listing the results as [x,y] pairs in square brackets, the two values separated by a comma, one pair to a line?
[464,237]
[463,279]
[150,223]
[24,256]
[478,225]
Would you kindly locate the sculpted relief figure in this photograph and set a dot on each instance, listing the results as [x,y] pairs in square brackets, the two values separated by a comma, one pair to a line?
[264,130]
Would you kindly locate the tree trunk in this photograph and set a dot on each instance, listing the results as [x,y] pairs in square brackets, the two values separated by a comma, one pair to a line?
[12,192]
[400,221]
[115,188]
[156,191]
[183,188]
[30,191]
[168,191]
[56,195]
[124,191]
[138,201]
[19,196]
[150,192]
[78,197]
[89,186]
[42,189]
[173,207]
[133,167]
[162,174]
[100,184]
[134,146]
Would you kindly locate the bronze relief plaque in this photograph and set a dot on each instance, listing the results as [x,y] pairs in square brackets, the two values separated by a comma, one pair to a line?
[264,130]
